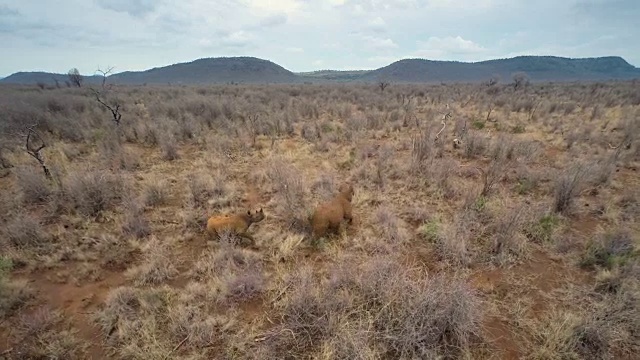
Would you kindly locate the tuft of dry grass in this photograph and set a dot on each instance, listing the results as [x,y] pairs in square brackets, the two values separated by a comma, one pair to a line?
[91,192]
[24,231]
[609,249]
[38,335]
[34,185]
[568,186]
[156,194]
[376,307]
[157,265]
[288,183]
[13,295]
[135,223]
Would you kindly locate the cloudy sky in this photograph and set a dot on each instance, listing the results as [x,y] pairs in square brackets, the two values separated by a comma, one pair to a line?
[304,35]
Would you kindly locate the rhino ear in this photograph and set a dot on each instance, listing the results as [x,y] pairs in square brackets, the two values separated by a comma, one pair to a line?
[261,210]
[248,212]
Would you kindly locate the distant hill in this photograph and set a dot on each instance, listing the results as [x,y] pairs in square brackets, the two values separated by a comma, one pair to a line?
[538,68]
[45,78]
[253,70]
[209,71]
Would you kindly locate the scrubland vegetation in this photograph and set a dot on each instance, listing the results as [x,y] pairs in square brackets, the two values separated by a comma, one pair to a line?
[488,222]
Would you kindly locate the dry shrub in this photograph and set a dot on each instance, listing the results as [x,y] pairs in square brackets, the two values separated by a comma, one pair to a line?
[114,152]
[289,186]
[630,206]
[422,150]
[135,222]
[238,271]
[602,170]
[609,249]
[149,323]
[508,240]
[157,265]
[205,189]
[608,326]
[453,240]
[94,191]
[377,308]
[169,147]
[474,144]
[13,295]
[34,185]
[131,320]
[391,226]
[156,193]
[24,231]
[114,253]
[43,334]
[567,186]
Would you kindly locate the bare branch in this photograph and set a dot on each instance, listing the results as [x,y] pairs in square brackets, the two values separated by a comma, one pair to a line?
[115,109]
[104,73]
[30,136]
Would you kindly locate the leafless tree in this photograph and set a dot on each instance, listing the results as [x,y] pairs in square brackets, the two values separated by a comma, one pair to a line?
[113,106]
[382,85]
[104,74]
[520,80]
[75,78]
[34,145]
[251,121]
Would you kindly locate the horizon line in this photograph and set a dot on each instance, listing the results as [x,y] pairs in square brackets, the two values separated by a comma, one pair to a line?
[311,71]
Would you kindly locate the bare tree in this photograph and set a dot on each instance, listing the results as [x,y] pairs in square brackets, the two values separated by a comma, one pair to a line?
[75,78]
[520,80]
[382,85]
[104,74]
[113,106]
[34,145]
[251,121]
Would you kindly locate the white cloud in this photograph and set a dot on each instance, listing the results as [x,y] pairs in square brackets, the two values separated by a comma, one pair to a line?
[377,24]
[237,39]
[132,7]
[378,43]
[294,50]
[273,20]
[289,7]
[448,48]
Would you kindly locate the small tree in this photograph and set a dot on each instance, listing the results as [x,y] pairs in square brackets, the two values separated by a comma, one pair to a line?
[383,82]
[75,78]
[104,74]
[31,137]
[520,80]
[114,104]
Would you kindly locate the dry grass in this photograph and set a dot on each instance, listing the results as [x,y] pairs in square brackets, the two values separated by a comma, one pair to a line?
[375,308]
[519,241]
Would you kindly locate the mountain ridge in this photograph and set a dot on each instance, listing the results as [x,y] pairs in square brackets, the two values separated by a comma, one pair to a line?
[245,69]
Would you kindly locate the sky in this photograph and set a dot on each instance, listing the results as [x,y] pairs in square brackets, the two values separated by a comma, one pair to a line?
[307,35]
